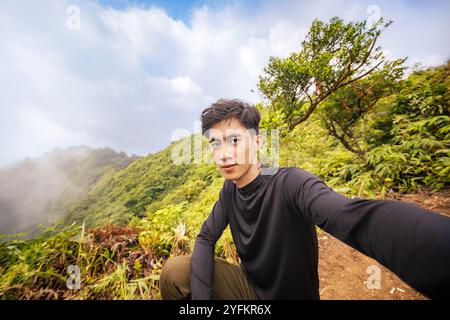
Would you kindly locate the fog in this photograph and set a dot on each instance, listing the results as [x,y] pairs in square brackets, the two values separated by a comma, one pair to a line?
[31,188]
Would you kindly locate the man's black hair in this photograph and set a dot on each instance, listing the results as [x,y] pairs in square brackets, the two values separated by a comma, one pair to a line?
[223,109]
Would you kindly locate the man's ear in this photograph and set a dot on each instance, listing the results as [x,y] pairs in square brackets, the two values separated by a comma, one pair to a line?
[259,140]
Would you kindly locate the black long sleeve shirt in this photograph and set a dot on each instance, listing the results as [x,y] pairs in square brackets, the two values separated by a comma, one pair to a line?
[273,219]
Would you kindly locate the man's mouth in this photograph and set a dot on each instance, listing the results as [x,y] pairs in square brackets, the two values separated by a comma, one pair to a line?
[227,166]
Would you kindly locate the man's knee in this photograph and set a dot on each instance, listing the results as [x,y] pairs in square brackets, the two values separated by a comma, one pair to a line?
[174,280]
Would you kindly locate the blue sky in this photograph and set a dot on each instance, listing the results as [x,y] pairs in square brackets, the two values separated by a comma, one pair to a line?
[177,9]
[135,72]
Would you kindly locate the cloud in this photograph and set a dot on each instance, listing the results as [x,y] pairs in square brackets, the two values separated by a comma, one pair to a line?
[128,77]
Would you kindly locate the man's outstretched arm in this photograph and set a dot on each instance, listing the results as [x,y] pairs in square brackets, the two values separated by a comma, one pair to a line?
[412,242]
[202,262]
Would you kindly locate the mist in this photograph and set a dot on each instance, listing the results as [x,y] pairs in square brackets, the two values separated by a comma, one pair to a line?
[30,190]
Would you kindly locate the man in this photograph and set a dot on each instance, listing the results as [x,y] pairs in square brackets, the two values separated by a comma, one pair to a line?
[272,220]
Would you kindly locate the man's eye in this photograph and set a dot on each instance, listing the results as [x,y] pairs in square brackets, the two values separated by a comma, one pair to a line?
[214,145]
[235,140]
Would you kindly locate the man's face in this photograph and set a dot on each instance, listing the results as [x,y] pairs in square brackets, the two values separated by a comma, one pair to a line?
[234,148]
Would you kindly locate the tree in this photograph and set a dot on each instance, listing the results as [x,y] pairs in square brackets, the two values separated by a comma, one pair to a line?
[333,55]
[344,109]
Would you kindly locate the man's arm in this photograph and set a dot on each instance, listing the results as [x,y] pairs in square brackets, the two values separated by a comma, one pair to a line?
[412,242]
[202,262]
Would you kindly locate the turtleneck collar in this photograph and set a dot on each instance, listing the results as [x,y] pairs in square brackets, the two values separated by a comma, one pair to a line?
[254,184]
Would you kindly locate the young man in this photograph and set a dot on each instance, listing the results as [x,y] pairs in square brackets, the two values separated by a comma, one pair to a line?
[272,220]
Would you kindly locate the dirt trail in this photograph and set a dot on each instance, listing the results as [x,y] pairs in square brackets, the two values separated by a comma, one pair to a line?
[342,270]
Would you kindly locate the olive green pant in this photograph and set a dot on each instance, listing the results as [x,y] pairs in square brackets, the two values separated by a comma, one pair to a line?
[230,281]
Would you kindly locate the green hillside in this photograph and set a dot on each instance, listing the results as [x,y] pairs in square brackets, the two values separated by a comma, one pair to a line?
[41,190]
[144,186]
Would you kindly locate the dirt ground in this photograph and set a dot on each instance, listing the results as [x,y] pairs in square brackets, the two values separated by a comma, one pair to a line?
[342,270]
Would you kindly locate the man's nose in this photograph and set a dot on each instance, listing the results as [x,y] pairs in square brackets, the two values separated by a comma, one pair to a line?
[226,154]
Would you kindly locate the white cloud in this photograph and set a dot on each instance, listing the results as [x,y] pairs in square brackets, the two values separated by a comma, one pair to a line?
[179,93]
[184,86]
